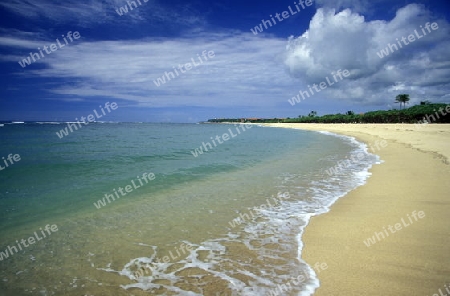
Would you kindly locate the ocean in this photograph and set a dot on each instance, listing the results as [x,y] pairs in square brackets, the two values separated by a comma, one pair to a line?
[166,209]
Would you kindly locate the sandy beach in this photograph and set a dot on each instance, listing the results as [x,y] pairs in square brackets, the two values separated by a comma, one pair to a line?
[404,208]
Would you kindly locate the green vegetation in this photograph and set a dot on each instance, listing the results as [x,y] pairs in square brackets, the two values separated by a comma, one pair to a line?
[410,115]
[414,114]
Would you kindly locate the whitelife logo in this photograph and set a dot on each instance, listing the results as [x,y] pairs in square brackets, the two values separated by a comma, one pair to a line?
[285,14]
[429,118]
[378,236]
[184,248]
[12,160]
[124,9]
[225,137]
[323,85]
[440,291]
[9,251]
[146,177]
[243,217]
[90,118]
[411,38]
[355,158]
[35,56]
[187,67]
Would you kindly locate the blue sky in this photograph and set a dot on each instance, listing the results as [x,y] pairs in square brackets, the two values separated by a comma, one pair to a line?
[118,58]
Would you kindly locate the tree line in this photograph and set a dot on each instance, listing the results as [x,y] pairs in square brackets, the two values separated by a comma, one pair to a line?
[433,113]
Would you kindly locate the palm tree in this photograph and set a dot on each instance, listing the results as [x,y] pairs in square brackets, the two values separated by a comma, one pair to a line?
[403,98]
[312,114]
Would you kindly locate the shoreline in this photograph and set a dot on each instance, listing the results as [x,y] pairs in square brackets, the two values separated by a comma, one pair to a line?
[413,177]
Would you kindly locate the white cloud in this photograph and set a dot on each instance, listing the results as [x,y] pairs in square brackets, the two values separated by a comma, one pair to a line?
[86,13]
[245,71]
[16,42]
[249,71]
[345,40]
[355,5]
[20,39]
[69,10]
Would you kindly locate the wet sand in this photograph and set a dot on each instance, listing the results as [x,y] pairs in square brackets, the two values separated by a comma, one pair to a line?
[406,200]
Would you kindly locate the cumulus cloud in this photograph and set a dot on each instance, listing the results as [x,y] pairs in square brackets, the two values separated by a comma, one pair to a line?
[247,70]
[345,40]
[355,5]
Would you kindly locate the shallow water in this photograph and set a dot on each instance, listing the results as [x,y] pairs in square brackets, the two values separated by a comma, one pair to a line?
[177,234]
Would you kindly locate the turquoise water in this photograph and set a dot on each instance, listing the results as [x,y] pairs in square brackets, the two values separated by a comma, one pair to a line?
[118,248]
